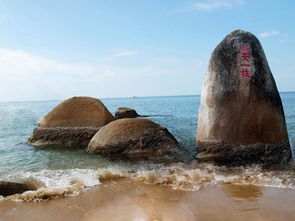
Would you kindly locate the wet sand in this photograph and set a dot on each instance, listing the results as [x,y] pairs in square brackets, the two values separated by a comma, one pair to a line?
[124,199]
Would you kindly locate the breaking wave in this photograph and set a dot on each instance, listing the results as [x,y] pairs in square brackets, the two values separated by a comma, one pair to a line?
[52,184]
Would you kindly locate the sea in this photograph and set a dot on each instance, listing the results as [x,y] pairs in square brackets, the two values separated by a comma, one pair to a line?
[65,172]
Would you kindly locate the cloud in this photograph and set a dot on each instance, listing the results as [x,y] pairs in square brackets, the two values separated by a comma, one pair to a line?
[125,53]
[268,34]
[215,4]
[19,65]
[28,76]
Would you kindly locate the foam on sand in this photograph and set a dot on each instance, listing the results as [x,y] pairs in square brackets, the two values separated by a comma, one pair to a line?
[52,184]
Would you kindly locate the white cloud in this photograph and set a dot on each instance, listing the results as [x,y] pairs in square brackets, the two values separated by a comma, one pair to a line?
[18,65]
[268,34]
[125,53]
[215,4]
[27,76]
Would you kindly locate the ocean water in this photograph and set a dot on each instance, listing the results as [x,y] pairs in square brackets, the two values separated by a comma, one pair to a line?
[62,171]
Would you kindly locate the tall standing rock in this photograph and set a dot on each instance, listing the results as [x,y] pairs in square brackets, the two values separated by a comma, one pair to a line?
[241,118]
[71,124]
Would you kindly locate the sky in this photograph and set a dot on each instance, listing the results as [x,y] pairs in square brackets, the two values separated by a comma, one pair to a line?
[58,49]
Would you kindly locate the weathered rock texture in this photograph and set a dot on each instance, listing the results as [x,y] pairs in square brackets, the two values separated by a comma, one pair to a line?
[10,188]
[241,118]
[125,112]
[133,138]
[78,112]
[71,124]
[62,136]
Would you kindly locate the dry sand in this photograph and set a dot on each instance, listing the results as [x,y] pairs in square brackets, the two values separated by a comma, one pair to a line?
[124,199]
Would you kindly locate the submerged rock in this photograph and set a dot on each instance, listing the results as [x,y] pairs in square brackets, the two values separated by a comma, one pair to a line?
[125,112]
[133,139]
[241,118]
[72,123]
[10,188]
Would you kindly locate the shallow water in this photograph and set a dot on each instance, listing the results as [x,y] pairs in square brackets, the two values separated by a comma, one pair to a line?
[61,168]
[124,199]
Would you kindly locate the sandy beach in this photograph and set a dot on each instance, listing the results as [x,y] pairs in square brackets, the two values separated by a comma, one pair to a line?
[124,199]
[147,110]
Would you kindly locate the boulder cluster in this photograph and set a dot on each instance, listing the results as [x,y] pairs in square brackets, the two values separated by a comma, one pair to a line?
[85,122]
[241,117]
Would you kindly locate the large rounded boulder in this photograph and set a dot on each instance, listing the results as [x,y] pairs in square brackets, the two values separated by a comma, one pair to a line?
[241,118]
[133,138]
[72,123]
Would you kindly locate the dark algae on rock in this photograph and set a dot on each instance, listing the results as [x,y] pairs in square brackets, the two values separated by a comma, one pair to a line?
[241,118]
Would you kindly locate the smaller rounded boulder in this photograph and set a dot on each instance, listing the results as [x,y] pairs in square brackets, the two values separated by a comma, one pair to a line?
[133,138]
[11,188]
[71,124]
[126,112]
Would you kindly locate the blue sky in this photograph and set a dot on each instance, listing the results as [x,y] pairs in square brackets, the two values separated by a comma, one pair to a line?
[62,48]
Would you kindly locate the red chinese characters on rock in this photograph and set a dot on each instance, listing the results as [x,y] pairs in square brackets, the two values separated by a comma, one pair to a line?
[245,61]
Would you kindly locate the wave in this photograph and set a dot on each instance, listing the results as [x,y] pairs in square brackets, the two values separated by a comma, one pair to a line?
[52,184]
[191,179]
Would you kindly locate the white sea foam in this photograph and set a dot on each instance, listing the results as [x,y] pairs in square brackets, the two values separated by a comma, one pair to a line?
[71,182]
[54,183]
[56,178]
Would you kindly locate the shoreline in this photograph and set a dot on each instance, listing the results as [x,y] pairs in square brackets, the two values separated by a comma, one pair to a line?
[126,199]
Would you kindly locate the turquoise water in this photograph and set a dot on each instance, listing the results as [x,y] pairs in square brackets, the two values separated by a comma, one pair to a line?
[18,120]
[57,168]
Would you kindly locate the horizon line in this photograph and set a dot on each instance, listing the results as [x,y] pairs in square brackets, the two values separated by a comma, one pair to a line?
[61,99]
